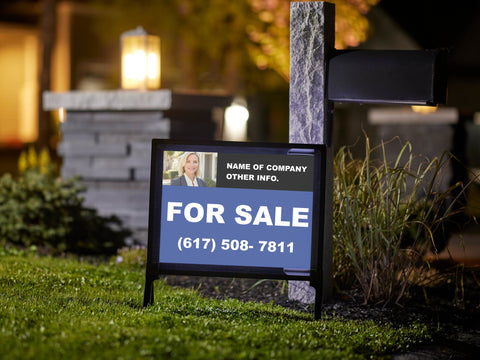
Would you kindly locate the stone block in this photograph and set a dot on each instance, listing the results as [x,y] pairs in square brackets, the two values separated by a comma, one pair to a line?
[141,173]
[127,138]
[139,219]
[74,137]
[151,123]
[75,116]
[78,149]
[127,116]
[118,201]
[108,100]
[152,128]
[68,172]
[76,126]
[100,173]
[141,148]
[301,291]
[129,162]
[140,186]
[109,162]
[76,166]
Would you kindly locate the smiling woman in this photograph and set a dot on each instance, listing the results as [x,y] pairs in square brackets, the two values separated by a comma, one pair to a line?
[189,170]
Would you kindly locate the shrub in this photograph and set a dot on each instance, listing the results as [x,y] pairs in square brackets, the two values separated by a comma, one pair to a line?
[387,216]
[210,182]
[135,256]
[172,174]
[39,209]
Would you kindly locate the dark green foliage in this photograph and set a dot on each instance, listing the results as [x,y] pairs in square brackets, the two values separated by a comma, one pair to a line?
[210,182]
[40,209]
[173,174]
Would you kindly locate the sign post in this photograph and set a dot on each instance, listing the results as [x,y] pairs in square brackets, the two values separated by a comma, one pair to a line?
[312,32]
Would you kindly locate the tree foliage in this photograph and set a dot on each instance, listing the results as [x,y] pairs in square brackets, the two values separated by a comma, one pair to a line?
[269,35]
[226,45]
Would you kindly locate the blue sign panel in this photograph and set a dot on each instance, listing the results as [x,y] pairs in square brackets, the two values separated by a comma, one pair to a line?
[243,227]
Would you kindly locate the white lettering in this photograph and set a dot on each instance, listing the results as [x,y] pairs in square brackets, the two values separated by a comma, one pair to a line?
[172,210]
[194,212]
[299,214]
[238,166]
[188,212]
[286,168]
[245,177]
[263,216]
[215,211]
[278,217]
[244,217]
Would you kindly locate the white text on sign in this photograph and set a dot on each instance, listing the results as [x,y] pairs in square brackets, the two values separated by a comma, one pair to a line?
[195,212]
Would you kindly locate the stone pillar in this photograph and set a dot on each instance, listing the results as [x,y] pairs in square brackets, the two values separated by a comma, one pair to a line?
[312,35]
[397,125]
[106,140]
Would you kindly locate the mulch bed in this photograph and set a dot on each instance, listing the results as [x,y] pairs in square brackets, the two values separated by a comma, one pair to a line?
[456,327]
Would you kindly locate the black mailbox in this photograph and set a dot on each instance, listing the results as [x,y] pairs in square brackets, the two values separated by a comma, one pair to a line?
[388,76]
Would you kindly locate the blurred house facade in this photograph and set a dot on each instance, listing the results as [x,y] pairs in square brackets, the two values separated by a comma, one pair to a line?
[81,62]
[78,63]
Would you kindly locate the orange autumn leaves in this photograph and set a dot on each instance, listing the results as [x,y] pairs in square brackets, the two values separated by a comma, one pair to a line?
[269,35]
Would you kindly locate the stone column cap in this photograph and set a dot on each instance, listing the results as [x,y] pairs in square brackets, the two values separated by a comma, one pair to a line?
[108,100]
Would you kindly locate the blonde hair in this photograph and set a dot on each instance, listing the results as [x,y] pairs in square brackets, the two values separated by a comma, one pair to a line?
[183,161]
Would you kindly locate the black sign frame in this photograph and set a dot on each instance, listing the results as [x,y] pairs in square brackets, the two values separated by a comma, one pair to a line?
[154,269]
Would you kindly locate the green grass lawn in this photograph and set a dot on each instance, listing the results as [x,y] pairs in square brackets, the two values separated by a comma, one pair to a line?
[53,308]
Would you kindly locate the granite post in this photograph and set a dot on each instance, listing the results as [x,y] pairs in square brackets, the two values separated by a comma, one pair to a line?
[312,35]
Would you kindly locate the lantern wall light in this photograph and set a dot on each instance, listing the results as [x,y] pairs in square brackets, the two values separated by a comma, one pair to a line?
[423,109]
[140,60]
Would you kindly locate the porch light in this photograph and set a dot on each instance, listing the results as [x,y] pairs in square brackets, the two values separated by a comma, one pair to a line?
[236,118]
[140,60]
[422,109]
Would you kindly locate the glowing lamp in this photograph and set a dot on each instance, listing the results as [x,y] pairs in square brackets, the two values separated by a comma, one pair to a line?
[236,117]
[423,109]
[140,60]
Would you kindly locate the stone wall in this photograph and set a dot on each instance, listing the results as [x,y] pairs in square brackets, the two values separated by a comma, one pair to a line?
[106,140]
[430,136]
[111,152]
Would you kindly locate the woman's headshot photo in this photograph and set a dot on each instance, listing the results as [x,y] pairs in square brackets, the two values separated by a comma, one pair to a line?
[190,168]
[189,171]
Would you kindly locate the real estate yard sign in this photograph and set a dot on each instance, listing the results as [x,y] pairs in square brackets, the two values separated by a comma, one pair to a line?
[259,217]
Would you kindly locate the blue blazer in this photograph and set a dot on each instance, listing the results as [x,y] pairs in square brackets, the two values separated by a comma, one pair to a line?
[180,181]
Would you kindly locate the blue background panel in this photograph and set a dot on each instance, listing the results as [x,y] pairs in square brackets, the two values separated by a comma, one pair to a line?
[287,247]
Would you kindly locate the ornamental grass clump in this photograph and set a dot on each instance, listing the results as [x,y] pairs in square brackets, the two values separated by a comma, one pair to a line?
[387,216]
